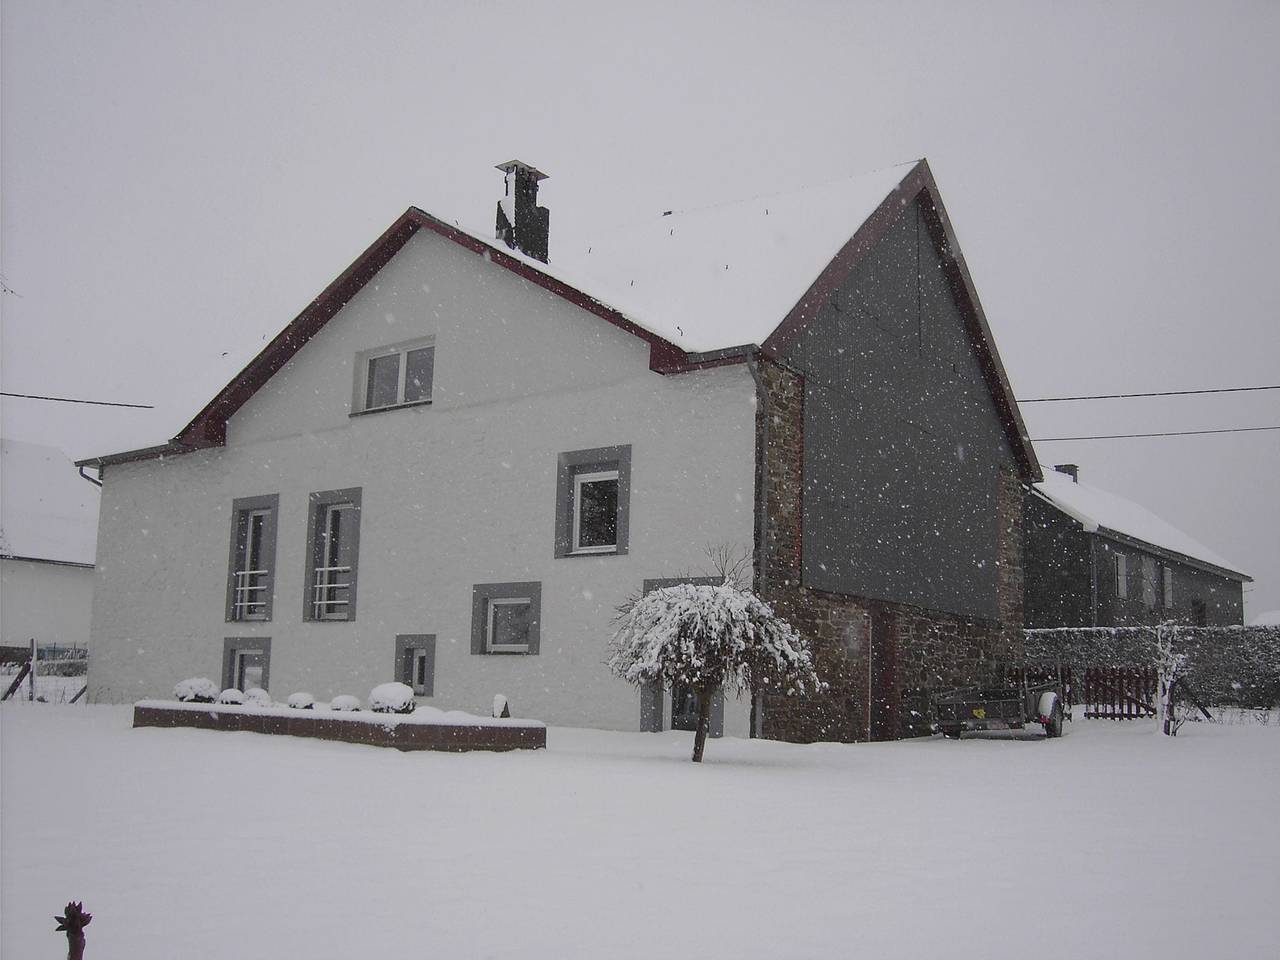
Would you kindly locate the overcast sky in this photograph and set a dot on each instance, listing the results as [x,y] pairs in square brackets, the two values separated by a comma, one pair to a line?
[180,179]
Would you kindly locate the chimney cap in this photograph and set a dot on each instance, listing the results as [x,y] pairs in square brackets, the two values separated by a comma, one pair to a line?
[513,166]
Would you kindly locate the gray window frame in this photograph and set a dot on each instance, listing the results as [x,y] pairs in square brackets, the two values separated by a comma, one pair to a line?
[316,503]
[1121,562]
[482,594]
[595,460]
[233,645]
[407,645]
[240,507]
[359,389]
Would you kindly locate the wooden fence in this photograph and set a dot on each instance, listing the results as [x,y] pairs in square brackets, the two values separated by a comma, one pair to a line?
[1119,693]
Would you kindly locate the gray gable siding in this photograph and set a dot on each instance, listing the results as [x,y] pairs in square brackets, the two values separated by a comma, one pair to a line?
[902,440]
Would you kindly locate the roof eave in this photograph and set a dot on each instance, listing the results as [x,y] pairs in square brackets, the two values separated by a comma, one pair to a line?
[1166,553]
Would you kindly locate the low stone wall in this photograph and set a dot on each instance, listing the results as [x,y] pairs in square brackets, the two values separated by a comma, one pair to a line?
[403,732]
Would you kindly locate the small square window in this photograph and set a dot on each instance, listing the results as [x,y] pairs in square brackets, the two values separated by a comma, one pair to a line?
[593,493]
[395,376]
[246,662]
[505,618]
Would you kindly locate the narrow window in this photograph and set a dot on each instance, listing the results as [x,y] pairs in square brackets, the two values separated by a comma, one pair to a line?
[505,618]
[333,538]
[593,492]
[415,663]
[1122,576]
[1149,582]
[251,571]
[394,376]
[1168,588]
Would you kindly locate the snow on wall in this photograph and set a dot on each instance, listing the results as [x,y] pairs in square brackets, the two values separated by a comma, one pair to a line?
[457,493]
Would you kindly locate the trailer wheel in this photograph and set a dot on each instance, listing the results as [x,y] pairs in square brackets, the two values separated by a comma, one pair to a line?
[951,733]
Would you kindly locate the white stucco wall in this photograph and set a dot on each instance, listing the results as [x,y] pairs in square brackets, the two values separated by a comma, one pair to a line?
[47,601]
[453,494]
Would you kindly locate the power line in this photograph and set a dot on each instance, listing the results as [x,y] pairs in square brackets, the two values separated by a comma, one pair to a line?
[1158,393]
[1170,433]
[96,403]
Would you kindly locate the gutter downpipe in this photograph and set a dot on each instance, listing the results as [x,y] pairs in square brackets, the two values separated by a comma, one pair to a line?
[762,515]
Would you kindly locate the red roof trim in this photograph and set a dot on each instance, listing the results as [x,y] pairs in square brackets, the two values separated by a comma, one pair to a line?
[209,427]
[919,183]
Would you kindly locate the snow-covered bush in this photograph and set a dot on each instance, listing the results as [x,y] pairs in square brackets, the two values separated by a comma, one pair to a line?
[501,708]
[301,701]
[706,637]
[231,697]
[345,702]
[196,690]
[392,698]
[257,697]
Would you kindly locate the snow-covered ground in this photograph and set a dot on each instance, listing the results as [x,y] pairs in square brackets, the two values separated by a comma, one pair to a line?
[1110,841]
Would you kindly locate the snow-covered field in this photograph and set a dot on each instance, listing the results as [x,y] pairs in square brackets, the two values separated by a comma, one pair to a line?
[1112,841]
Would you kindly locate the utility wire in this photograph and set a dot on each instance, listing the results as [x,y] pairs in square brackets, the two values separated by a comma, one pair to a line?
[1159,393]
[1171,433]
[96,403]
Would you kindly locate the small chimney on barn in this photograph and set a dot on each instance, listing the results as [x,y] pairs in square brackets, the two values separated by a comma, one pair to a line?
[522,224]
[1070,469]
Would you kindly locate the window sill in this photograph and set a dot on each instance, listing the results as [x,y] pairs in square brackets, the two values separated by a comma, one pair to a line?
[507,651]
[392,406]
[610,552]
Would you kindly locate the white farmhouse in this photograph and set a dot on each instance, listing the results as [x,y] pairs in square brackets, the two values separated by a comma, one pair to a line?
[457,462]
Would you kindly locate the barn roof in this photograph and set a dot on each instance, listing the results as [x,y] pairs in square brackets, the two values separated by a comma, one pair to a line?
[1098,511]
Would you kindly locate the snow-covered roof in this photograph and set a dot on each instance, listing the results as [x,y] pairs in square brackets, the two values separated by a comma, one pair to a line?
[1098,510]
[726,275]
[47,511]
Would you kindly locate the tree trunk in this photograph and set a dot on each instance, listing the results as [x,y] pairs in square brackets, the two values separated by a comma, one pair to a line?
[705,697]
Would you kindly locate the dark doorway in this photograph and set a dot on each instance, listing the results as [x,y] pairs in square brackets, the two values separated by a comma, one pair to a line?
[882,657]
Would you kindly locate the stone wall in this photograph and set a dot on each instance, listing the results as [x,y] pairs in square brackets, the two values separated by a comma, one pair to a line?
[881,660]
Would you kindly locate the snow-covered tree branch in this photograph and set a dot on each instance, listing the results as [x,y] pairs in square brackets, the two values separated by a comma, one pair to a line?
[709,637]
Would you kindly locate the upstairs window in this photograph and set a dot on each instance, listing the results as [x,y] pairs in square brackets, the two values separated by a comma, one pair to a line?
[333,551]
[399,375]
[251,570]
[1168,588]
[593,493]
[1122,576]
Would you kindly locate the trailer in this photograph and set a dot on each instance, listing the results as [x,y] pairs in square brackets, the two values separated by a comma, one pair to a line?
[1002,708]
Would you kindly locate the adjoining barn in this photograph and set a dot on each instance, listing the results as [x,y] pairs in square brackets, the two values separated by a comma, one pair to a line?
[1098,560]
[465,454]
